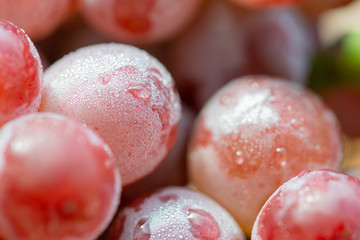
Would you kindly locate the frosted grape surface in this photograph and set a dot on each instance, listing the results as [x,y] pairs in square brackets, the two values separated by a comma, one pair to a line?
[256,133]
[174,213]
[124,94]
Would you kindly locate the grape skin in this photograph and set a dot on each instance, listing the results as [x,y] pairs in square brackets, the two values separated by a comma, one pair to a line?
[313,205]
[39,18]
[250,41]
[140,21]
[20,73]
[57,180]
[124,94]
[174,213]
[253,135]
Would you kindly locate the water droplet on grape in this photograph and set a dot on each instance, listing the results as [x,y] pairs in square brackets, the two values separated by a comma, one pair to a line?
[116,94]
[140,92]
[224,100]
[203,225]
[240,161]
[272,98]
[142,230]
[282,156]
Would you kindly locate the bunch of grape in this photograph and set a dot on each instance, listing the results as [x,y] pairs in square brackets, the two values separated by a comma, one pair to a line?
[166,120]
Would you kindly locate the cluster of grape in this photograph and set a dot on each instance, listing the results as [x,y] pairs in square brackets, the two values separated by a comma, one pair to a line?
[217,137]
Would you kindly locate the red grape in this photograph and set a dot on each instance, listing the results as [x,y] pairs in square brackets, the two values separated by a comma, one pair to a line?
[124,94]
[37,17]
[174,213]
[313,205]
[253,135]
[140,21]
[57,180]
[20,73]
[228,42]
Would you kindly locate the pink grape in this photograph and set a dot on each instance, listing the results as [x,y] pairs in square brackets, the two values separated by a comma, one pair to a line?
[37,17]
[313,205]
[20,73]
[140,21]
[174,213]
[124,94]
[58,180]
[254,134]
[248,41]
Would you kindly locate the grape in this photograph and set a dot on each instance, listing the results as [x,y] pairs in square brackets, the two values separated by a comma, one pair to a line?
[313,205]
[264,3]
[125,95]
[256,133]
[174,213]
[37,17]
[20,73]
[235,46]
[140,21]
[57,180]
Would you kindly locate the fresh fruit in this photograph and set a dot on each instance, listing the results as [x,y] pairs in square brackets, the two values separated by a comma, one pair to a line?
[313,205]
[39,18]
[122,93]
[140,21]
[228,42]
[174,213]
[57,180]
[20,73]
[253,135]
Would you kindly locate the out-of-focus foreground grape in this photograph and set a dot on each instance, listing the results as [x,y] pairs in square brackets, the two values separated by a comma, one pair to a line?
[21,73]
[39,18]
[58,180]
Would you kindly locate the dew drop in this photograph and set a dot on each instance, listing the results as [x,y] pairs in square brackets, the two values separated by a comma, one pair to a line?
[140,92]
[282,156]
[224,100]
[142,230]
[203,225]
[240,161]
[168,197]
[272,98]
[116,94]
